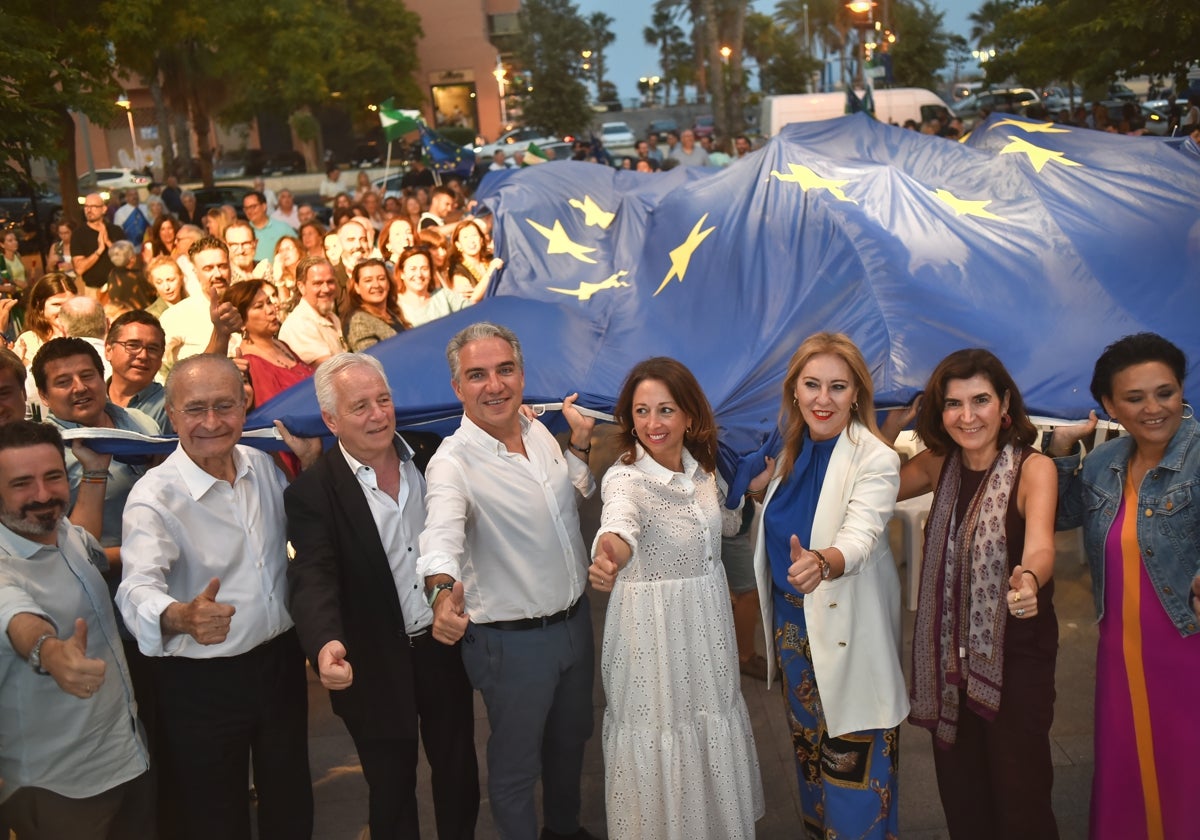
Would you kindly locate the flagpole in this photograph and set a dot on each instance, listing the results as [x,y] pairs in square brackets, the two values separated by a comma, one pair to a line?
[387,170]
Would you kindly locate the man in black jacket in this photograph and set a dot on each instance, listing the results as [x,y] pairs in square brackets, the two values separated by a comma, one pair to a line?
[361,611]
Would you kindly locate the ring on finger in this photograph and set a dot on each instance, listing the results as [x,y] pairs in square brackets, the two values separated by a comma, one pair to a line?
[1020,613]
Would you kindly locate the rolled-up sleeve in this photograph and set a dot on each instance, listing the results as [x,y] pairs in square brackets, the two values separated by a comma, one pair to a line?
[581,476]
[147,552]
[447,505]
[872,502]
[14,600]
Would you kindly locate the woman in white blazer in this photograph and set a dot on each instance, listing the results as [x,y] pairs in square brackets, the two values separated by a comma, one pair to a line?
[830,593]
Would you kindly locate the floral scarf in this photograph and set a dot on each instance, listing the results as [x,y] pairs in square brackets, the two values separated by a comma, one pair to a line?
[959,637]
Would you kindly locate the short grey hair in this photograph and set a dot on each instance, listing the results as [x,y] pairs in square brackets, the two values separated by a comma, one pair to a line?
[183,366]
[336,365]
[83,317]
[121,253]
[476,332]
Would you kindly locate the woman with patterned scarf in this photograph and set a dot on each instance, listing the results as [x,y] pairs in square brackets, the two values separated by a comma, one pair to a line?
[986,636]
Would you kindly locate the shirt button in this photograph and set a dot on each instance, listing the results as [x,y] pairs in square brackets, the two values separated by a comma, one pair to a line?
[1149,513]
[1191,625]
[1170,505]
[841,644]
[1166,590]
[833,606]
[1149,552]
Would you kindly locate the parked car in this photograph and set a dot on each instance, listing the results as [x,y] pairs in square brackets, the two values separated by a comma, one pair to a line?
[247,163]
[32,213]
[704,126]
[617,135]
[1055,99]
[210,197]
[994,100]
[112,180]
[516,140]
[1116,90]
[660,128]
[285,163]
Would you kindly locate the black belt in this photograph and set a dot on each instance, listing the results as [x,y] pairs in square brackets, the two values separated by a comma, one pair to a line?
[537,623]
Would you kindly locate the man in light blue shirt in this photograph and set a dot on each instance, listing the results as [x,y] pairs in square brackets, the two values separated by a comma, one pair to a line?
[73,761]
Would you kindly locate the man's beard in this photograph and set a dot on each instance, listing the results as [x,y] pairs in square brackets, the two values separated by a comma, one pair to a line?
[35,519]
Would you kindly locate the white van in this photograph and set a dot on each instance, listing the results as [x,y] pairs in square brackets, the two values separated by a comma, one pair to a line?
[894,105]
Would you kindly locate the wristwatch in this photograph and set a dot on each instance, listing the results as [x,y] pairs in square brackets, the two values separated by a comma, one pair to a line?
[437,590]
[35,653]
[825,568]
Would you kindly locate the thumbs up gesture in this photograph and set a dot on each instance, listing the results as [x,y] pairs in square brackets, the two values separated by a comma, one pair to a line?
[606,564]
[206,620]
[450,617]
[1022,594]
[336,673]
[805,571]
[224,316]
[68,663]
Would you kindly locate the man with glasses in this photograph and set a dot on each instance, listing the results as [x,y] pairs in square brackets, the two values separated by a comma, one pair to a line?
[134,349]
[267,230]
[89,245]
[243,245]
[204,590]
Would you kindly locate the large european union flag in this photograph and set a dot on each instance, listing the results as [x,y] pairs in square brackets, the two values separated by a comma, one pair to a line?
[1039,242]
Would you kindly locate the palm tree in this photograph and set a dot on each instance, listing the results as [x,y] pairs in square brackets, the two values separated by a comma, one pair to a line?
[984,19]
[667,37]
[599,27]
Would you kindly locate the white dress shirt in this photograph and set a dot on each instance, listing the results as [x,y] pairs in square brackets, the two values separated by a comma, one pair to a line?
[399,524]
[188,328]
[506,525]
[183,527]
[310,335]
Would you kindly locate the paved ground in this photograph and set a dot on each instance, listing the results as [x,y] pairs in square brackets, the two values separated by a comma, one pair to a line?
[341,794]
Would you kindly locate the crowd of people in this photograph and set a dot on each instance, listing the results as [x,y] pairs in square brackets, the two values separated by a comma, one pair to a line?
[157,631]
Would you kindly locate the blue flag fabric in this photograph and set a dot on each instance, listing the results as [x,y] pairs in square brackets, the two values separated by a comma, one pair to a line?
[445,157]
[1040,243]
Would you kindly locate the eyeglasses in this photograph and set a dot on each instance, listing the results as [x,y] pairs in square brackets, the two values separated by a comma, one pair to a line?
[135,347]
[221,409]
[249,205]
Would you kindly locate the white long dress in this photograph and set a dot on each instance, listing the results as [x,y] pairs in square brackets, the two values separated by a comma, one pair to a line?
[679,755]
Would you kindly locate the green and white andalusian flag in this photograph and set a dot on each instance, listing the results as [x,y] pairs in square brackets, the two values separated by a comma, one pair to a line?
[534,155]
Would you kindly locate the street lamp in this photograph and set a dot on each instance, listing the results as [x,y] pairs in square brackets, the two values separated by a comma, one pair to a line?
[499,74]
[123,102]
[859,7]
[650,82]
[983,56]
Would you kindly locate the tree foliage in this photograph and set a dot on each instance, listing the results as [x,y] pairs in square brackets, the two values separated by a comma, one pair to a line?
[552,33]
[922,45]
[231,60]
[600,38]
[54,61]
[1048,40]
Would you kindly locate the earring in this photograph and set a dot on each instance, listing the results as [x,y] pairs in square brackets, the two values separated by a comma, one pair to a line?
[634,433]
[1188,411]
[795,402]
[1005,420]
[854,407]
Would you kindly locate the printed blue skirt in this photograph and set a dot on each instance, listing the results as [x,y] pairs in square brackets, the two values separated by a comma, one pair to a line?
[848,784]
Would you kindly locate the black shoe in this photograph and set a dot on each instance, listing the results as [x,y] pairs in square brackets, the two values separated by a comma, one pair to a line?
[581,834]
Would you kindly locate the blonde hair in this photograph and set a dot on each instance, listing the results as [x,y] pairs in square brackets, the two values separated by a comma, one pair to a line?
[791,419]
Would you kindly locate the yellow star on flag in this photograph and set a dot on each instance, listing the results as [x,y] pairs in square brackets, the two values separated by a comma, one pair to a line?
[593,216]
[1034,128]
[586,290]
[809,180]
[1038,156]
[965,207]
[560,243]
[682,255]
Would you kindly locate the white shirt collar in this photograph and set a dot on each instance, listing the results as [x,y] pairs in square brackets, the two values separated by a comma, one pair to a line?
[477,435]
[646,463]
[199,482]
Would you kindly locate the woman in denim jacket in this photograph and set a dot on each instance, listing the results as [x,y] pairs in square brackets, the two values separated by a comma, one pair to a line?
[1138,500]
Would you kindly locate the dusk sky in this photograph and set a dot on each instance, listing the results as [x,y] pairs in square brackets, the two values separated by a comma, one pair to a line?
[630,58]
